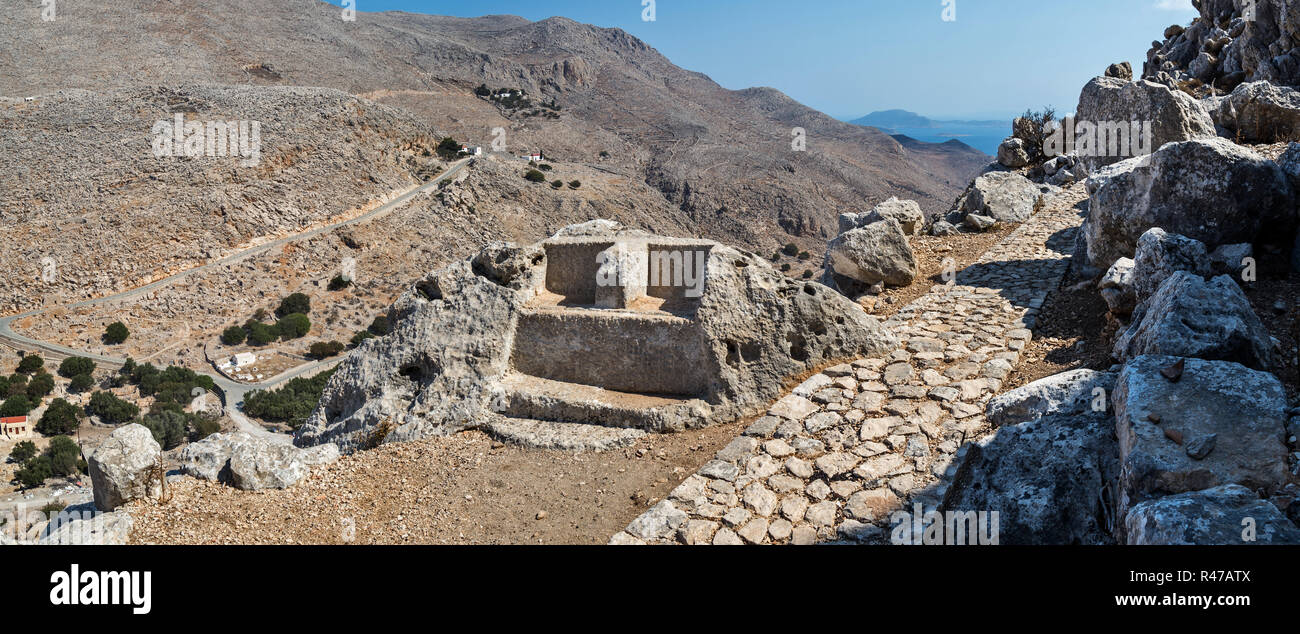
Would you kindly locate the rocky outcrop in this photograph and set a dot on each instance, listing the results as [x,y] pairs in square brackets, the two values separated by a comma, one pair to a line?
[1012,154]
[876,253]
[251,462]
[1067,393]
[1044,478]
[1231,259]
[906,212]
[1121,70]
[1173,115]
[1260,112]
[1047,467]
[1208,189]
[1190,317]
[1227,45]
[1223,515]
[1169,410]
[1160,254]
[124,467]
[485,337]
[1003,196]
[83,525]
[1116,287]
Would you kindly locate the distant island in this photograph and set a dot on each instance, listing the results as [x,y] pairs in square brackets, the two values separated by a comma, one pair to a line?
[982,135]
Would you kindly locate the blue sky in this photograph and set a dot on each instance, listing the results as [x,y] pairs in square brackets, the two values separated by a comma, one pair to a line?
[850,57]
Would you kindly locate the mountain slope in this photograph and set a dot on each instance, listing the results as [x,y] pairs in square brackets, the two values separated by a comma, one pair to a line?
[722,157]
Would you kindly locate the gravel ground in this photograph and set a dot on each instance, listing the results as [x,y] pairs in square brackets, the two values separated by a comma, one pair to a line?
[461,489]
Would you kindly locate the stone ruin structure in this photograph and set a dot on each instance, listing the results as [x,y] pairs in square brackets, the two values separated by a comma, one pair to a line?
[588,340]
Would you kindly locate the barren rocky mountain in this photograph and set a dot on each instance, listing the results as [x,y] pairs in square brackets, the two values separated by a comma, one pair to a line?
[722,157]
[87,191]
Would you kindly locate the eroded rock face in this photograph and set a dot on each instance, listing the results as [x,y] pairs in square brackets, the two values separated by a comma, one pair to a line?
[1215,516]
[907,213]
[448,362]
[1067,393]
[1116,287]
[1003,196]
[1158,419]
[122,468]
[1044,477]
[1190,317]
[1173,115]
[1161,254]
[1261,112]
[82,525]
[1211,190]
[1258,46]
[877,252]
[1012,154]
[250,462]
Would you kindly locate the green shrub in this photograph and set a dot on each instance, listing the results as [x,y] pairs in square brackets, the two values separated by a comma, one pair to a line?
[290,404]
[39,387]
[72,366]
[339,283]
[380,326]
[111,409]
[785,267]
[791,249]
[23,451]
[805,256]
[35,472]
[326,349]
[81,383]
[116,333]
[544,167]
[295,303]
[807,274]
[30,363]
[448,149]
[233,336]
[535,176]
[202,426]
[575,184]
[61,417]
[557,183]
[17,405]
[167,426]
[293,326]
[362,336]
[17,384]
[260,334]
[64,455]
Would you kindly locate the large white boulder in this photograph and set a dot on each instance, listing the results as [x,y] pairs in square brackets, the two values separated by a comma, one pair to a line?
[1173,115]
[123,467]
[877,252]
[1210,190]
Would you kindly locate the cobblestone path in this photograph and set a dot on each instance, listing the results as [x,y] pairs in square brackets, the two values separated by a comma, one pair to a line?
[832,460]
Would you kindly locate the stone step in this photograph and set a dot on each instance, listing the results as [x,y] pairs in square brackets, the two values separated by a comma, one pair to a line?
[616,349]
[537,398]
[540,434]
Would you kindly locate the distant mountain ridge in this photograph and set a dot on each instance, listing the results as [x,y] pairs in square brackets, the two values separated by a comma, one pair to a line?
[895,119]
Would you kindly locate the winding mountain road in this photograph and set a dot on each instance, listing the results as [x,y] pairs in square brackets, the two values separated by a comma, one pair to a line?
[232,392]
